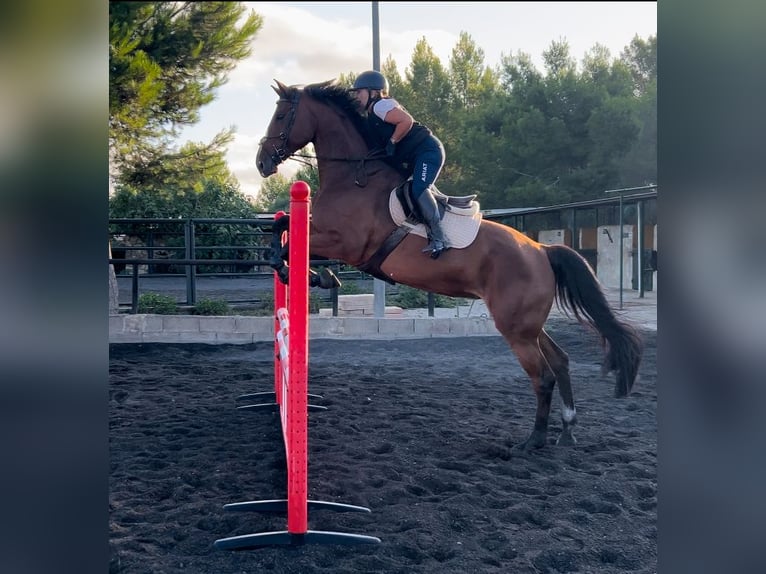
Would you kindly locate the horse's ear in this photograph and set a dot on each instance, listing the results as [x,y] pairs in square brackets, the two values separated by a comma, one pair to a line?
[282,88]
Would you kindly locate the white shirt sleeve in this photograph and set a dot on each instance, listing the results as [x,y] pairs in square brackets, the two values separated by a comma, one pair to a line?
[382,107]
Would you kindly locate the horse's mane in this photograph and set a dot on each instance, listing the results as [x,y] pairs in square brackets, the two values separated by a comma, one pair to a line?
[340,97]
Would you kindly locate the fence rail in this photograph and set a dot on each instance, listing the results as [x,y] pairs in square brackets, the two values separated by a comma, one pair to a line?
[247,239]
[191,278]
[228,243]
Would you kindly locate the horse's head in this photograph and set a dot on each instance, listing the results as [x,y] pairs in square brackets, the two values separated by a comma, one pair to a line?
[297,121]
[282,139]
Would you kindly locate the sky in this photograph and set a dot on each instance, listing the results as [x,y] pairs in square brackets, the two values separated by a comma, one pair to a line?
[307,42]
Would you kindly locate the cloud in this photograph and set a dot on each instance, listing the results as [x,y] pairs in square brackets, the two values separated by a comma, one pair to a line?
[314,42]
[296,47]
[241,158]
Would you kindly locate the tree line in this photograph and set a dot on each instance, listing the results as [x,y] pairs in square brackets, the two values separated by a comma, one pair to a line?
[514,135]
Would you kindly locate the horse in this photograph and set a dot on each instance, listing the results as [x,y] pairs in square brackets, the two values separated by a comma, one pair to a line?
[517,278]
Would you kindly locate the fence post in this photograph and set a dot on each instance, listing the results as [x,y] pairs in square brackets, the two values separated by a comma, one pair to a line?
[292,402]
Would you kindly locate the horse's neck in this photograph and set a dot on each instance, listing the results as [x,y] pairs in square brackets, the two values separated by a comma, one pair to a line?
[345,175]
[348,180]
[345,168]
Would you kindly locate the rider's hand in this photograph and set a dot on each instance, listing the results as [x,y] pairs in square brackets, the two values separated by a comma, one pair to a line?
[390,146]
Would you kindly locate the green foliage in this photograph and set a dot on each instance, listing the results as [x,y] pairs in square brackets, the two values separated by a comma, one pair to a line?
[349,288]
[157,303]
[466,72]
[162,171]
[558,62]
[639,165]
[215,199]
[640,57]
[211,307]
[563,135]
[411,298]
[166,61]
[265,307]
[518,136]
[314,303]
[430,94]
[267,302]
[274,194]
[397,86]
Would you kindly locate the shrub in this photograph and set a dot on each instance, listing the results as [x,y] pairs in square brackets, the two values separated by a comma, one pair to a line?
[211,307]
[267,302]
[411,298]
[349,288]
[157,303]
[314,303]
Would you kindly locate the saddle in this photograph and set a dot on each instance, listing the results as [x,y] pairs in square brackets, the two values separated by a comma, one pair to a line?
[459,205]
[460,216]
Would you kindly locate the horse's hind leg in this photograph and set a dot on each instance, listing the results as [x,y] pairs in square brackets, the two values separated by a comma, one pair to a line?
[558,361]
[543,380]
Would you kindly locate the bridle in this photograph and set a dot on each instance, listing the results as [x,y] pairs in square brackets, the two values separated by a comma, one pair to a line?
[279,151]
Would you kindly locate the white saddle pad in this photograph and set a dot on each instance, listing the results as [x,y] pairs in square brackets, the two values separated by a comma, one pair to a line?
[460,225]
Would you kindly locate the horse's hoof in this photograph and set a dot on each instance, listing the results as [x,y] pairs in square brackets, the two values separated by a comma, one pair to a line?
[532,443]
[328,279]
[566,439]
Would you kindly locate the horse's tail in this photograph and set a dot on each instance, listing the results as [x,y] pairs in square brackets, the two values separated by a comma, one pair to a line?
[578,290]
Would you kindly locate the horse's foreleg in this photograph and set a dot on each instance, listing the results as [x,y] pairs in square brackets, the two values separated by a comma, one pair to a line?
[543,380]
[278,252]
[559,363]
[279,259]
[321,245]
[325,278]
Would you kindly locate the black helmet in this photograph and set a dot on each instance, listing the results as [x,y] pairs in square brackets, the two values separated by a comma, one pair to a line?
[371,80]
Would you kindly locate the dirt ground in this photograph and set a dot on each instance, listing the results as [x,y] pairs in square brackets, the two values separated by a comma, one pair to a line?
[418,431]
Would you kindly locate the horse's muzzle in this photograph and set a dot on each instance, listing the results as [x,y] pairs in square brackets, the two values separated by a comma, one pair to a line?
[265,164]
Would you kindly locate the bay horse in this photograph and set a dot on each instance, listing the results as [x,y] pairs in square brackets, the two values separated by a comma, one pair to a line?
[517,278]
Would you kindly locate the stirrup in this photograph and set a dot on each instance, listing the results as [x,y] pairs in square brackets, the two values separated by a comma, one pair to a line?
[436,248]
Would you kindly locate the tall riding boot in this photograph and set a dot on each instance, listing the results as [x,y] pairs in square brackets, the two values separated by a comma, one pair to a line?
[430,211]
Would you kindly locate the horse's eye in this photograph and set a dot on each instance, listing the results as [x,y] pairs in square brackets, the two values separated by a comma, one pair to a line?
[281,116]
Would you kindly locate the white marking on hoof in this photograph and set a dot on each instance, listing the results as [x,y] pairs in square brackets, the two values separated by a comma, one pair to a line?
[567,414]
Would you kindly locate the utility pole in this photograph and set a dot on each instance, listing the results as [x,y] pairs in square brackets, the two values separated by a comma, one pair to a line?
[375,37]
[378,285]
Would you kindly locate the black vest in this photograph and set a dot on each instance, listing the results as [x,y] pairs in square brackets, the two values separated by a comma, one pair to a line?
[405,149]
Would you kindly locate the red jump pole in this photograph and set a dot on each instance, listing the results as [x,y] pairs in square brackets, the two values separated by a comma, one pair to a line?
[296,410]
[291,330]
[280,301]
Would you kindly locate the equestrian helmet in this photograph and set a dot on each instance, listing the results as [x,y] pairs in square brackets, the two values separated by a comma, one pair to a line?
[371,80]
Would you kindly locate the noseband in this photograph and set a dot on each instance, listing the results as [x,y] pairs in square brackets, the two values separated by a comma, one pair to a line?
[279,151]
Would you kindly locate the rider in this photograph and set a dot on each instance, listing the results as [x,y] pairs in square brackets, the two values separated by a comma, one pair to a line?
[406,141]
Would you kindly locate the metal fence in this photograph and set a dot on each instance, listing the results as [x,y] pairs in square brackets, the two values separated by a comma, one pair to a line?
[194,249]
[199,248]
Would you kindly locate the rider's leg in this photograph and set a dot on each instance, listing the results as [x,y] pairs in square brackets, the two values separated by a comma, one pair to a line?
[427,166]
[430,211]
